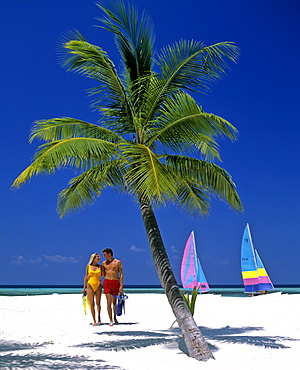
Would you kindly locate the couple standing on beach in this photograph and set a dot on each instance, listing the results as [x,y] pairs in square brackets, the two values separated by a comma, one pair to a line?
[112,271]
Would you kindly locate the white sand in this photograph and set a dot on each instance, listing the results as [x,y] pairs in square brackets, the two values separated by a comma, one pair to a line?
[52,332]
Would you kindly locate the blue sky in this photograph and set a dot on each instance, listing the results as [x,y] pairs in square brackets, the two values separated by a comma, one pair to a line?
[259,95]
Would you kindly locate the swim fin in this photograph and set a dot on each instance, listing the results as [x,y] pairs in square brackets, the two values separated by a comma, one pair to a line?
[121,303]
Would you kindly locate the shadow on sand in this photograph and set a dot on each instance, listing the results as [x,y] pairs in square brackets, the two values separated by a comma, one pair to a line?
[127,340]
[238,335]
[23,356]
[15,355]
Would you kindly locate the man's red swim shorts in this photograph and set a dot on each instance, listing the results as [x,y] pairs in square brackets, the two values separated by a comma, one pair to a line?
[111,286]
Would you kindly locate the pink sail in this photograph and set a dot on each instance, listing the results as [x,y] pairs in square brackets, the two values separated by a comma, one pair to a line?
[191,271]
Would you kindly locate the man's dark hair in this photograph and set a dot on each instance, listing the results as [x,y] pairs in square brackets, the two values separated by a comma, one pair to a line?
[108,250]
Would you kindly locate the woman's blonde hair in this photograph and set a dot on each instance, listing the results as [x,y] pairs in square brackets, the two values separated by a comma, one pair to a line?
[93,257]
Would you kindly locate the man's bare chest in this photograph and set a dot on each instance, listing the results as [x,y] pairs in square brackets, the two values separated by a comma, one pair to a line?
[112,266]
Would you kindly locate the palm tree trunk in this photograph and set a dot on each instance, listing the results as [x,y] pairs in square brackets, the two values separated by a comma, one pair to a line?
[194,340]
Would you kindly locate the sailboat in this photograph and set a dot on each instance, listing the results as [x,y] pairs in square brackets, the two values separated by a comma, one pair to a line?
[255,276]
[191,273]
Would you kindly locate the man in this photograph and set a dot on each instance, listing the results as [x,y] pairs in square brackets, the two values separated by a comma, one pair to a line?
[113,282]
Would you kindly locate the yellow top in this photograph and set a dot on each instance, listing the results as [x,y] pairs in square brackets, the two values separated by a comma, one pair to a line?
[94,279]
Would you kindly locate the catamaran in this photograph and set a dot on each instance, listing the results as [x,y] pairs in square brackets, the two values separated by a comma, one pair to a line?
[255,277]
[192,274]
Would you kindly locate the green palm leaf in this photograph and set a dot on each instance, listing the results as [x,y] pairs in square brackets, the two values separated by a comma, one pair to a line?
[191,301]
[93,62]
[74,152]
[208,176]
[193,66]
[190,65]
[147,178]
[85,188]
[182,124]
[134,37]
[66,128]
[192,199]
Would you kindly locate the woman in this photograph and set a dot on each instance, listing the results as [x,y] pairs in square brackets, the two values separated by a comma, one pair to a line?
[92,283]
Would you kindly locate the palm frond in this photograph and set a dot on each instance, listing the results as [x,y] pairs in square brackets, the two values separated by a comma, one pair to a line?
[66,128]
[85,188]
[141,95]
[207,176]
[134,36]
[191,198]
[93,62]
[147,177]
[74,152]
[182,124]
[190,65]
[178,107]
[193,66]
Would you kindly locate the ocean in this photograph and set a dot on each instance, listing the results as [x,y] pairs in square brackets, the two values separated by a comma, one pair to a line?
[29,290]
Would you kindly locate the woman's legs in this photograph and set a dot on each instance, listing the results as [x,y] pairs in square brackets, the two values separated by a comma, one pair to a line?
[98,301]
[90,294]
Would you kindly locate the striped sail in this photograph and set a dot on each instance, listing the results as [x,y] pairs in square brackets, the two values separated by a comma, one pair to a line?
[191,273]
[264,282]
[254,275]
[248,263]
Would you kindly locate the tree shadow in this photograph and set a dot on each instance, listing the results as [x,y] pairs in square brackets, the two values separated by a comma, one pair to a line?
[11,360]
[128,340]
[6,346]
[237,335]
[133,340]
[233,335]
[117,324]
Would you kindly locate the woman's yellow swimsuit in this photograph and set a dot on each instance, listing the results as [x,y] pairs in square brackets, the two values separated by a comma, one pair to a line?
[94,279]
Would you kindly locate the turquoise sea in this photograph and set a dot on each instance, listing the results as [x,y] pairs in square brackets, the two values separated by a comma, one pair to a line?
[229,291]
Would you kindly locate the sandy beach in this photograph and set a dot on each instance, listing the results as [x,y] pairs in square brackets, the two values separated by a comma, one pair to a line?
[52,332]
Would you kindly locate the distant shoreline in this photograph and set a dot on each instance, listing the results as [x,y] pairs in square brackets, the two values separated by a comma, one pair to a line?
[32,286]
[226,290]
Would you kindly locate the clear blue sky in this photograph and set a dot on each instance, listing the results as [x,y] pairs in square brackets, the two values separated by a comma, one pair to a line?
[260,96]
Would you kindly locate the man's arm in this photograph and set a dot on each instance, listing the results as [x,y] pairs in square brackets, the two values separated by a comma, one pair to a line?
[121,277]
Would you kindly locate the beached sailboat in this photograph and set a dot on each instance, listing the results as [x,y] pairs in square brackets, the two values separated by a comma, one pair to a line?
[255,276]
[191,273]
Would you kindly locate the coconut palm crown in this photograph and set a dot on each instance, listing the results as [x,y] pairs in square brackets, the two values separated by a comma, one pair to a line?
[152,141]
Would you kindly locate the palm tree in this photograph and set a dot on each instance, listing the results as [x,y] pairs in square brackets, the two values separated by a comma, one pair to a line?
[153,141]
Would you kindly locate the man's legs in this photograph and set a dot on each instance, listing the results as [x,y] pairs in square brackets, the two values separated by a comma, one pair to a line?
[111,290]
[109,311]
[114,302]
[111,308]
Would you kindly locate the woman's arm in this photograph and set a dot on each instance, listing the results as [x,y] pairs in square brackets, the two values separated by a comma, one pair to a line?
[85,280]
[102,270]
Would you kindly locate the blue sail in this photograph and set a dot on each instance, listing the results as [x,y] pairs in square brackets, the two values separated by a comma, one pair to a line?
[254,273]
[248,263]
[203,285]
[264,282]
